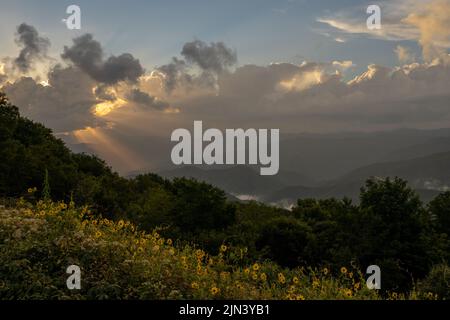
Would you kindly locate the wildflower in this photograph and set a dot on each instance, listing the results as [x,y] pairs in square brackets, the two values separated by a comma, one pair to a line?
[255,267]
[295,280]
[281,278]
[348,292]
[199,253]
[169,242]
[98,234]
[254,276]
[140,249]
[30,190]
[246,270]
[350,274]
[357,286]
[300,297]
[156,248]
[210,261]
[121,224]
[194,285]
[316,283]
[290,296]
[199,270]
[343,270]
[223,248]
[325,271]
[215,290]
[263,276]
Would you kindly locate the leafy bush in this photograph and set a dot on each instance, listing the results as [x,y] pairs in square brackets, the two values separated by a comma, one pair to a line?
[437,282]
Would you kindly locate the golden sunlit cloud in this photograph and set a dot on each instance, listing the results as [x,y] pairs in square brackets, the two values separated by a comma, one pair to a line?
[104,108]
[302,82]
[44,83]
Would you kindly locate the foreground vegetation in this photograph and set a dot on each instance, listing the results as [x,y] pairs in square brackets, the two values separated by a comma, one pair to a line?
[120,262]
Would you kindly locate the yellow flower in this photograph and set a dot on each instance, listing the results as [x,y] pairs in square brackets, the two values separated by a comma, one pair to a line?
[255,267]
[121,224]
[356,286]
[325,271]
[215,290]
[210,261]
[254,276]
[156,248]
[194,285]
[300,297]
[316,283]
[98,234]
[169,242]
[223,248]
[348,292]
[263,276]
[199,270]
[281,278]
[343,270]
[246,270]
[295,280]
[199,253]
[350,274]
[30,190]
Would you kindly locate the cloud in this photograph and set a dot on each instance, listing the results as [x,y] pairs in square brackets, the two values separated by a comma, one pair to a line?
[64,105]
[34,47]
[211,60]
[433,22]
[316,97]
[174,73]
[404,55]
[87,54]
[146,100]
[424,21]
[215,57]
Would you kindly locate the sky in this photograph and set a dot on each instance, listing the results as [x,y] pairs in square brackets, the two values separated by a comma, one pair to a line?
[136,70]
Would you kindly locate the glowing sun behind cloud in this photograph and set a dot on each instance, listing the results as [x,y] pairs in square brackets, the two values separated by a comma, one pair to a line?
[104,108]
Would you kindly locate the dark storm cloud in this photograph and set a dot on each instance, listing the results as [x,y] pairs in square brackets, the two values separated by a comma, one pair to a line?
[102,93]
[146,100]
[212,60]
[174,72]
[87,54]
[215,57]
[33,47]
